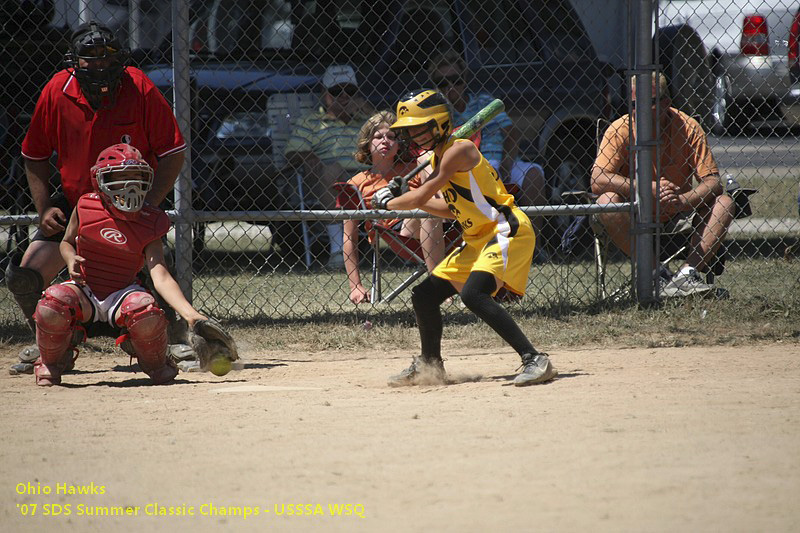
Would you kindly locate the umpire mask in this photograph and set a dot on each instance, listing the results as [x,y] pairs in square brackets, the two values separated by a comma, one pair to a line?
[98,61]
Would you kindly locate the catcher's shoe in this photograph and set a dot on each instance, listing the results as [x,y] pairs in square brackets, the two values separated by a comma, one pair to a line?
[163,375]
[181,352]
[47,375]
[28,356]
[536,368]
[421,372]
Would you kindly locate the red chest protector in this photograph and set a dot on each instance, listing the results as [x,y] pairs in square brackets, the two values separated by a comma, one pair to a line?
[114,248]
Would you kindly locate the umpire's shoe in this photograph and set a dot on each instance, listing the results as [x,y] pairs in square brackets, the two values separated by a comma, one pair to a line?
[421,372]
[536,368]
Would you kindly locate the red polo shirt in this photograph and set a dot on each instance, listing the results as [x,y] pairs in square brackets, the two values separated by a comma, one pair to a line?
[65,123]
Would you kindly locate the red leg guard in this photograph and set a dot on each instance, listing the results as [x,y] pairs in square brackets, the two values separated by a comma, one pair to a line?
[147,331]
[57,316]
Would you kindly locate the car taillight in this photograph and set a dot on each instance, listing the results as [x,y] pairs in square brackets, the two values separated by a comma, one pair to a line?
[198,43]
[755,41]
[794,36]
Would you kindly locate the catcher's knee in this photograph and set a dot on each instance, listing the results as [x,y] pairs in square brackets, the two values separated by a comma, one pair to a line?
[147,332]
[57,316]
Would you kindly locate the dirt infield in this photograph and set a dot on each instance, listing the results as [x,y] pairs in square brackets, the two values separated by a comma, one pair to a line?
[690,439]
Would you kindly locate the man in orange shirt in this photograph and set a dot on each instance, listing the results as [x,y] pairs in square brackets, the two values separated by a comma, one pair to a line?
[686,181]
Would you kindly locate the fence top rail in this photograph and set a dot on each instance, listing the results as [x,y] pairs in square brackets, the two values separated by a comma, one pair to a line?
[344,214]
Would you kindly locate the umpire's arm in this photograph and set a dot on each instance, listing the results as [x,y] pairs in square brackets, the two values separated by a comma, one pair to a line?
[164,179]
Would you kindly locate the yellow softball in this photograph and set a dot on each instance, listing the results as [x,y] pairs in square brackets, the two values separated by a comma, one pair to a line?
[219,365]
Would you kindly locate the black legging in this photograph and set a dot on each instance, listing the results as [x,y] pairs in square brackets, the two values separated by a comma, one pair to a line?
[476,294]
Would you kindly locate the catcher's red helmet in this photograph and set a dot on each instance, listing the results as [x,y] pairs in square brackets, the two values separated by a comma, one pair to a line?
[122,177]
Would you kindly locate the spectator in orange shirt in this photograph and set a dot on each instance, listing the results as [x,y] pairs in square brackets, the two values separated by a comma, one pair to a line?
[377,146]
[689,183]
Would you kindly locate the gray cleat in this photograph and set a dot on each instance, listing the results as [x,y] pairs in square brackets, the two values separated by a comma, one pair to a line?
[29,354]
[536,368]
[420,372]
[21,368]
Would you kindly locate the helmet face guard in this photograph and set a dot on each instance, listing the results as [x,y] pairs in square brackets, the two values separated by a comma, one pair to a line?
[98,61]
[126,194]
[122,178]
[430,129]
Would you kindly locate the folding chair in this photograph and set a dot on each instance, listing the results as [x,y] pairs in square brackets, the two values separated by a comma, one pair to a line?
[407,248]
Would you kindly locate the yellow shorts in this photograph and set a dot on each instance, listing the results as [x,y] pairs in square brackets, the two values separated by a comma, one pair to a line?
[505,253]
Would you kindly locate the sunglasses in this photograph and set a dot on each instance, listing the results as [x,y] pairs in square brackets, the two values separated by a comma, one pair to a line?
[447,81]
[337,90]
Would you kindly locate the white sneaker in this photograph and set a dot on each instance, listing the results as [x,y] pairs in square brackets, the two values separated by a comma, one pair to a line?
[687,282]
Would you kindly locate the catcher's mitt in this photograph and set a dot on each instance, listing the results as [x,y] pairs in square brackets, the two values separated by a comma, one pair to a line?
[209,340]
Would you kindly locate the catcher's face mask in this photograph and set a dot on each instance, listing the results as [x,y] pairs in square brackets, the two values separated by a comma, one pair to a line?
[122,178]
[98,61]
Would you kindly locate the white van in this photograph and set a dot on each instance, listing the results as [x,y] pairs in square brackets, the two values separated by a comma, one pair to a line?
[137,23]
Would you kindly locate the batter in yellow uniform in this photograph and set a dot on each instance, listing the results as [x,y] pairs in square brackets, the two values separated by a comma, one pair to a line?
[498,236]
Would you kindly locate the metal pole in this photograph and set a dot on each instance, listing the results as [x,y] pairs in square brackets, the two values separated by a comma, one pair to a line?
[85,13]
[645,146]
[134,24]
[182,106]
[303,224]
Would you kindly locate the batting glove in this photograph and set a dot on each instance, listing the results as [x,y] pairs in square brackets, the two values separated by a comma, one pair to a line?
[380,200]
[396,185]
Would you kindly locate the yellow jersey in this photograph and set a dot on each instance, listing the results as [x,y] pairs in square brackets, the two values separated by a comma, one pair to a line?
[477,198]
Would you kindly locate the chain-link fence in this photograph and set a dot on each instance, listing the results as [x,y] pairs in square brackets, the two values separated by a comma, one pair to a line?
[271,96]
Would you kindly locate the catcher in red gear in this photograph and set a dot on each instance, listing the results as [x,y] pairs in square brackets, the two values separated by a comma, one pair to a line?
[111,234]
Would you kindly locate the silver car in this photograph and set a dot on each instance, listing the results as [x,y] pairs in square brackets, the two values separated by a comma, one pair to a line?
[752,45]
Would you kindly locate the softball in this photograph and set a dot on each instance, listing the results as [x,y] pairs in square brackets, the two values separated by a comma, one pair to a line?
[220,365]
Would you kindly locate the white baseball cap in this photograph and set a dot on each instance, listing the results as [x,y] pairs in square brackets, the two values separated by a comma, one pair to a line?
[339,75]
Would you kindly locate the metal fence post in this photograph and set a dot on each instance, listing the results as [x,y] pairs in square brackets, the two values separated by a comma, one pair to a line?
[134,24]
[85,14]
[645,143]
[183,186]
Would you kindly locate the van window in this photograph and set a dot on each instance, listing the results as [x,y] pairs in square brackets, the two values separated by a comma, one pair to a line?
[503,34]
[562,30]
[425,27]
[321,28]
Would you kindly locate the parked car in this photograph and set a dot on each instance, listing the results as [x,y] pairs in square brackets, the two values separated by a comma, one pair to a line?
[535,56]
[754,50]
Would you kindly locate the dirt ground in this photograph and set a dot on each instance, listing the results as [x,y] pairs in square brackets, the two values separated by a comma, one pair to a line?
[689,439]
